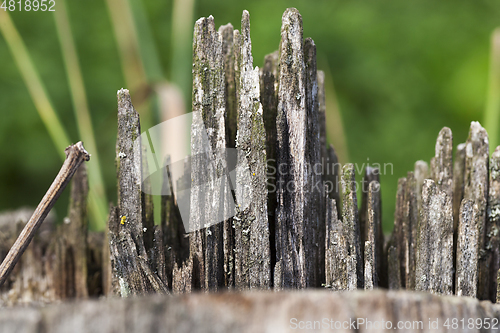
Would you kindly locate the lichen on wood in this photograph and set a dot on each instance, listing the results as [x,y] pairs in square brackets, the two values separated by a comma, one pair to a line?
[350,224]
[252,254]
[291,130]
[434,258]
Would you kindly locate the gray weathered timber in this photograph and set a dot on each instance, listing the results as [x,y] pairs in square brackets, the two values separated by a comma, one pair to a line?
[269,101]
[106,269]
[371,174]
[335,250]
[332,177]
[458,193]
[369,269]
[226,33]
[434,258]
[31,279]
[251,229]
[131,272]
[182,277]
[393,268]
[498,287]
[70,243]
[291,127]
[176,245]
[398,237]
[322,115]
[467,250]
[315,202]
[374,238]
[208,163]
[247,312]
[493,224]
[476,188]
[442,163]
[128,161]
[410,229]
[421,173]
[458,182]
[148,218]
[350,222]
[129,257]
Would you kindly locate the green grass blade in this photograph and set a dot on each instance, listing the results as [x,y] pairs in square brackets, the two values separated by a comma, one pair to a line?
[147,46]
[182,57]
[130,56]
[492,112]
[34,84]
[97,193]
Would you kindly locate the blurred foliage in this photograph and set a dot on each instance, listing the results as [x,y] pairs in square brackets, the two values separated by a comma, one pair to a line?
[402,70]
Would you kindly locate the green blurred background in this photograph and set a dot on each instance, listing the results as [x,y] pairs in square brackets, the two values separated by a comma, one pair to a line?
[398,70]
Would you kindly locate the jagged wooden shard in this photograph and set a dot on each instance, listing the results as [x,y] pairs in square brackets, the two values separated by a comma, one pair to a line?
[434,257]
[252,255]
[291,127]
[335,250]
[467,250]
[476,188]
[350,224]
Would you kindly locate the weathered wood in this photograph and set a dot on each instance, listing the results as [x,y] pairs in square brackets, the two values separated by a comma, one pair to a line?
[182,277]
[75,156]
[458,182]
[252,249]
[226,33]
[467,250]
[269,101]
[107,270]
[493,222]
[335,250]
[498,287]
[476,188]
[251,312]
[315,201]
[208,163]
[434,258]
[331,165]
[410,229]
[322,115]
[442,163]
[421,173]
[374,238]
[31,281]
[350,223]
[175,243]
[129,256]
[332,177]
[95,263]
[369,269]
[148,222]
[394,268]
[291,126]
[398,237]
[371,174]
[70,243]
[129,170]
[458,193]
